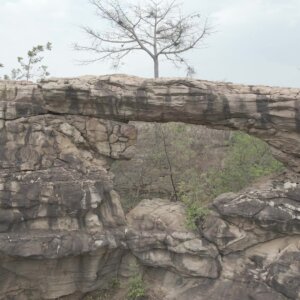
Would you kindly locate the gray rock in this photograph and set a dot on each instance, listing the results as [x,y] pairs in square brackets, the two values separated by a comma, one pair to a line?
[157,235]
[62,228]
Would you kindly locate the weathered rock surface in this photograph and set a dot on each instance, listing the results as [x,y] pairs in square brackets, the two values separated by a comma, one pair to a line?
[270,113]
[257,235]
[62,228]
[157,235]
[60,218]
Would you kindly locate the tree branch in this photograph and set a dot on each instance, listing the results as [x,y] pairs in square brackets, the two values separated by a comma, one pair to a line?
[154,28]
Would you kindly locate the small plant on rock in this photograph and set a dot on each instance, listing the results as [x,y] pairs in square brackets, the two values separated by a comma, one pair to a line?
[115,283]
[136,288]
[195,208]
[30,67]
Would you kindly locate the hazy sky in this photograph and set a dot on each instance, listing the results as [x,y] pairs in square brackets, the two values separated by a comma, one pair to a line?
[257,41]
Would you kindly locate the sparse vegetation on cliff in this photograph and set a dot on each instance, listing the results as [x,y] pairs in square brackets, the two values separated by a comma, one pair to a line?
[136,288]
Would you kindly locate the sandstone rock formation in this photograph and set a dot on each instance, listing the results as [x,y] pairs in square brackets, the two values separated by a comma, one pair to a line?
[254,260]
[62,228]
[60,218]
[272,114]
[158,237]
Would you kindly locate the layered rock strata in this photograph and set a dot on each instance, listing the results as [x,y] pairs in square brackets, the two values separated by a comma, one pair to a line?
[62,228]
[270,113]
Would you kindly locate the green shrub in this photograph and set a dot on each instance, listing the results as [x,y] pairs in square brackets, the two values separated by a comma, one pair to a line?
[193,213]
[114,284]
[136,288]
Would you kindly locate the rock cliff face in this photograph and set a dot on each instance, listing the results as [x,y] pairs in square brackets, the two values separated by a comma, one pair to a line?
[63,232]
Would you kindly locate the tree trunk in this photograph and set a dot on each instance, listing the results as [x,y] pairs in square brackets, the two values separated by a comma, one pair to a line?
[174,196]
[156,68]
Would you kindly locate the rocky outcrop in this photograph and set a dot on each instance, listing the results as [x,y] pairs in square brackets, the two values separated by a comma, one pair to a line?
[60,219]
[62,228]
[58,205]
[256,237]
[270,113]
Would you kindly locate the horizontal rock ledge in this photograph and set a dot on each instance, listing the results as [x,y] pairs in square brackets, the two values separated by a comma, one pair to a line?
[270,113]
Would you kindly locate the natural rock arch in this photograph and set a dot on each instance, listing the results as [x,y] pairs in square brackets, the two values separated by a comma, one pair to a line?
[58,206]
[270,113]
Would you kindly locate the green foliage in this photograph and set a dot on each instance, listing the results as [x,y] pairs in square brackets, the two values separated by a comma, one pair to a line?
[115,283]
[30,67]
[194,212]
[205,163]
[136,288]
[247,160]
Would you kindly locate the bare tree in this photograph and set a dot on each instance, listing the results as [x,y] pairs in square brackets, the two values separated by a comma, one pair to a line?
[157,27]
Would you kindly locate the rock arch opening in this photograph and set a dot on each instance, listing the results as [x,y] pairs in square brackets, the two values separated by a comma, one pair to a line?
[191,163]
